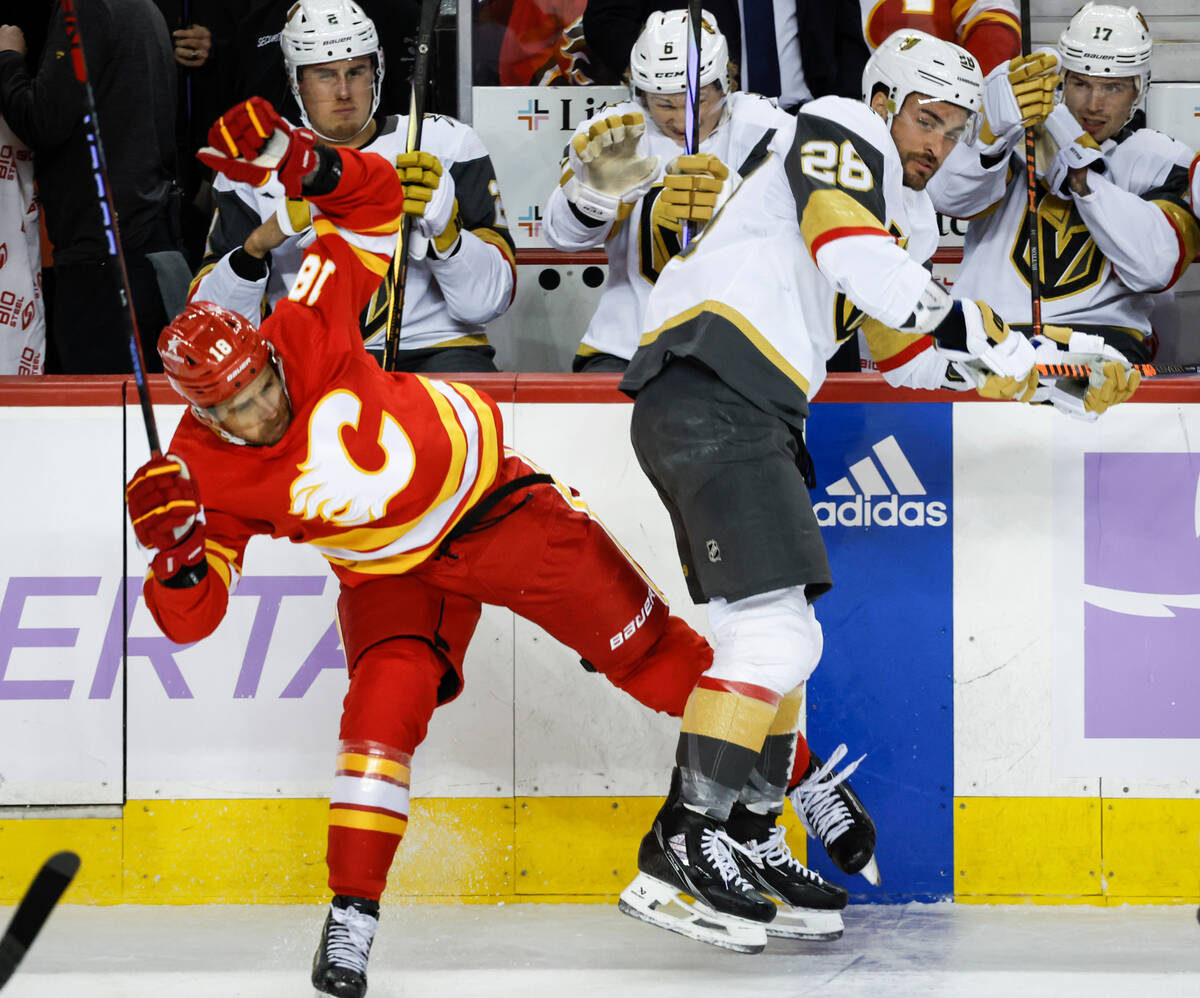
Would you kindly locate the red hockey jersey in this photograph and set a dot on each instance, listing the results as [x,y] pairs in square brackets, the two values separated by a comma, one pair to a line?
[989,29]
[375,468]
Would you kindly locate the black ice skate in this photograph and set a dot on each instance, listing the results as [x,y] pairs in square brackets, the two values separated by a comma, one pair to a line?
[831,811]
[340,963]
[809,906]
[690,883]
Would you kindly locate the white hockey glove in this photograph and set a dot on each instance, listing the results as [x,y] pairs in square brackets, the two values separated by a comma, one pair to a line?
[1075,149]
[972,334]
[606,167]
[1109,380]
[1017,95]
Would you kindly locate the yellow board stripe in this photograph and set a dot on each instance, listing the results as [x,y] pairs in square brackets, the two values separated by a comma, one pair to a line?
[366,821]
[729,717]
[1039,850]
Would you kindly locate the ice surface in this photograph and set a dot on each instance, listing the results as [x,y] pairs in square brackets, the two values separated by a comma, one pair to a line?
[548,951]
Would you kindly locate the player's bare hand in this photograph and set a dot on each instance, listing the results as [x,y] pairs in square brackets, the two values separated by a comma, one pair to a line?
[12,39]
[193,45]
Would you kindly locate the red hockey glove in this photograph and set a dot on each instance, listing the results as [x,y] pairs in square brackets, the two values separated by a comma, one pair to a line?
[250,142]
[168,519]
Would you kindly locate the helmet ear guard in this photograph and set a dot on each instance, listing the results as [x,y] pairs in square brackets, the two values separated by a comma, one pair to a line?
[320,31]
[910,61]
[1107,40]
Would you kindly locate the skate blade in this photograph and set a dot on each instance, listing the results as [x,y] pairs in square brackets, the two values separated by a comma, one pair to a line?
[805,923]
[871,872]
[650,900]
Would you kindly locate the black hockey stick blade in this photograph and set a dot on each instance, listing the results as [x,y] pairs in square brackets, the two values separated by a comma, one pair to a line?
[48,886]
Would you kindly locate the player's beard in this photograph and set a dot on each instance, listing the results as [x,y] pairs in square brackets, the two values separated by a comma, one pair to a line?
[914,178]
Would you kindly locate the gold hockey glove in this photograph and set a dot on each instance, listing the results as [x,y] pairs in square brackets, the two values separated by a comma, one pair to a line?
[1019,94]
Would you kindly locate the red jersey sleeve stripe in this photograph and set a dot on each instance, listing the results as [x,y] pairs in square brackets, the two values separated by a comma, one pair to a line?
[914,349]
[841,233]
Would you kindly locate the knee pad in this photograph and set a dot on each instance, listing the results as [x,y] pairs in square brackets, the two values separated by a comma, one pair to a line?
[772,639]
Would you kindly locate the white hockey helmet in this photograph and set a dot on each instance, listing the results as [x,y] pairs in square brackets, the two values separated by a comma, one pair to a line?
[658,62]
[911,61]
[1106,40]
[318,31]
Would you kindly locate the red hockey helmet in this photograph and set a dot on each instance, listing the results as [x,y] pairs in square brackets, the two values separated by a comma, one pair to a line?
[210,353]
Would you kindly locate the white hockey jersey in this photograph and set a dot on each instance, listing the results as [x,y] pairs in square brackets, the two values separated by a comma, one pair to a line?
[637,250]
[1101,255]
[446,302]
[821,235]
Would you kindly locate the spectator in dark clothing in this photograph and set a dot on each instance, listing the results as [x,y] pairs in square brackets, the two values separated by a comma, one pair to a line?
[612,26]
[128,54]
[832,48]
[792,51]
[202,34]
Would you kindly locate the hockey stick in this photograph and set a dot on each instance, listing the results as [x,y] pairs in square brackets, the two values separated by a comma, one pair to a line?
[108,216]
[1035,256]
[1145,370]
[416,114]
[52,879]
[691,125]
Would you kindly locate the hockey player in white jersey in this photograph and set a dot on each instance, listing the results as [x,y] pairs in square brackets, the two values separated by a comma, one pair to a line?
[462,264]
[829,232]
[625,185]
[1113,222]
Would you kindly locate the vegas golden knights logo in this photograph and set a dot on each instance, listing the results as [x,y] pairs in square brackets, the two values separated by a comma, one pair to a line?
[847,317]
[373,318]
[1069,260]
[656,245]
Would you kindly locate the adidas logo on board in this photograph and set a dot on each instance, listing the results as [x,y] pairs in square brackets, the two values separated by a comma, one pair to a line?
[872,502]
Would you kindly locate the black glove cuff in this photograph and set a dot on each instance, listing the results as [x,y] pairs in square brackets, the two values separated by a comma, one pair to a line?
[329,173]
[188,576]
[591,223]
[951,332]
[246,266]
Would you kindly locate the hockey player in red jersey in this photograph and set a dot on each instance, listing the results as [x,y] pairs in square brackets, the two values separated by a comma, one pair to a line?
[989,29]
[404,486]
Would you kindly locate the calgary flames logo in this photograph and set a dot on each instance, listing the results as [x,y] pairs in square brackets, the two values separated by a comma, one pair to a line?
[332,485]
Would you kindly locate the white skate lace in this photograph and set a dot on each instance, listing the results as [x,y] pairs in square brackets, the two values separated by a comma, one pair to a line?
[775,852]
[821,808]
[717,847]
[348,942]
